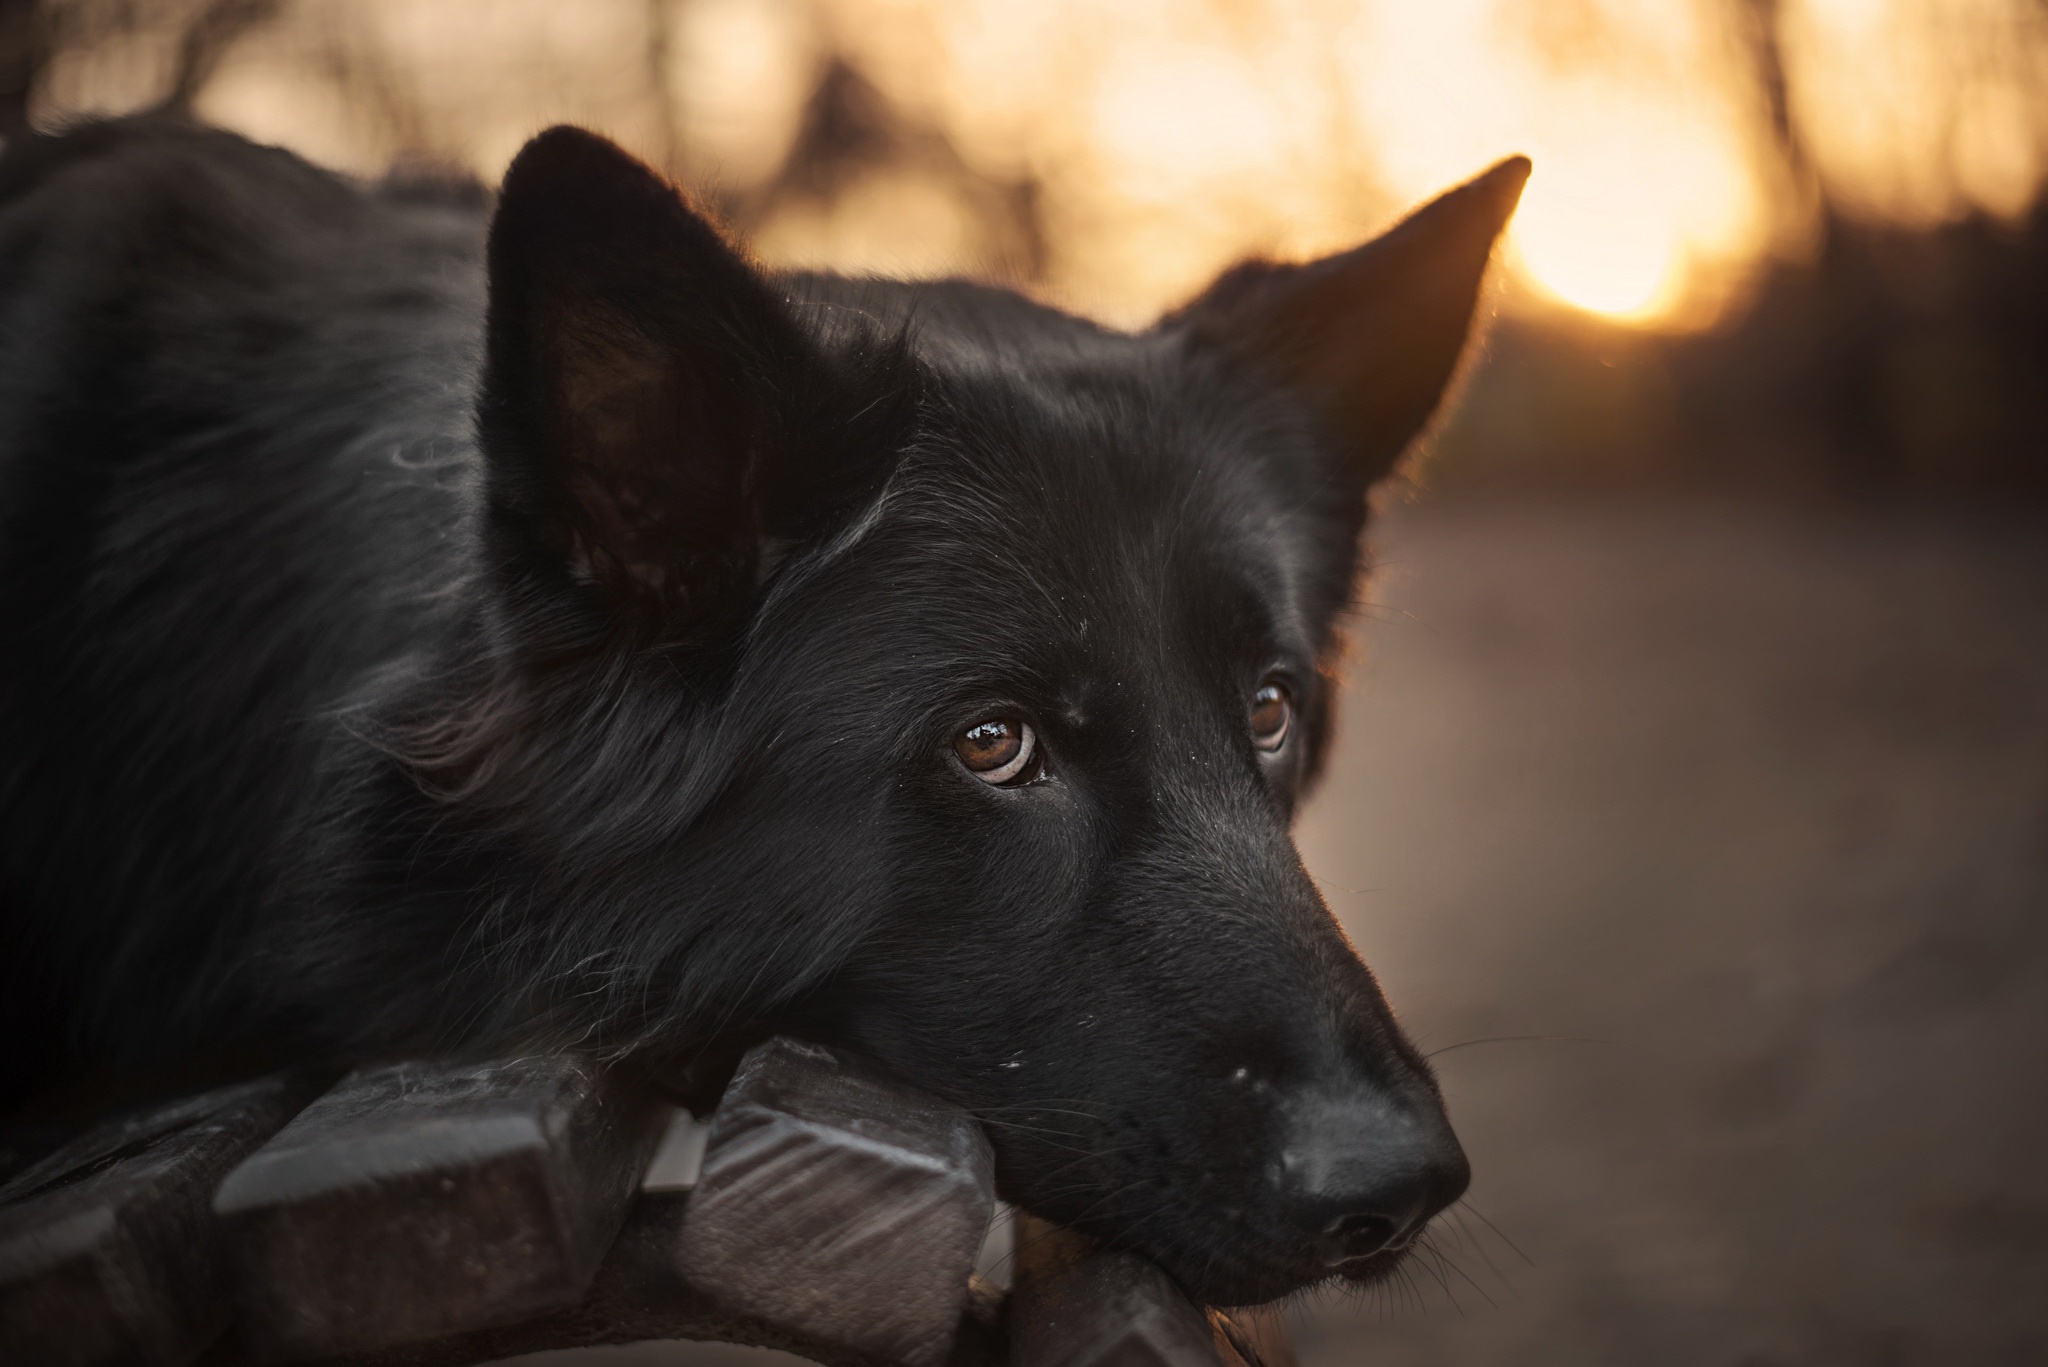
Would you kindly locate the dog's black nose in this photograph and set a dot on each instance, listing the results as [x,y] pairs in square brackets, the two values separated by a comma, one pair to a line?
[1364,1173]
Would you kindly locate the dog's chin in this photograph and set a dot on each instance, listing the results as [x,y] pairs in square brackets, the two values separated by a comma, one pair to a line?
[1372,1270]
[1241,1282]
[1257,1285]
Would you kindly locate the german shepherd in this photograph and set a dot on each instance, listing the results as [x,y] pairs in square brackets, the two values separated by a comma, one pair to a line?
[439,622]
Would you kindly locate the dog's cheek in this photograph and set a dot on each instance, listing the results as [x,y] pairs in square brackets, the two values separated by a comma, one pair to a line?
[966,969]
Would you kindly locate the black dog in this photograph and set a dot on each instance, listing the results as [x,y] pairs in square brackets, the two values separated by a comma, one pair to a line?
[424,637]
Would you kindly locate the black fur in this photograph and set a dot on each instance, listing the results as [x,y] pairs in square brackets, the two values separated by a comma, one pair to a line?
[425,638]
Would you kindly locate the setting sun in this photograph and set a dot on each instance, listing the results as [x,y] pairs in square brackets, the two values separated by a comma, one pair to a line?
[1635,221]
[1598,264]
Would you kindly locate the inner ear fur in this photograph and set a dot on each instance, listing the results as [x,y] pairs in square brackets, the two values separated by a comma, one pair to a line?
[1370,337]
[652,412]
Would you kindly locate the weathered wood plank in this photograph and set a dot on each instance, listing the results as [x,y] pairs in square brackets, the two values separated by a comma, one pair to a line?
[840,1207]
[108,1247]
[417,1200]
[1074,1305]
[638,1297]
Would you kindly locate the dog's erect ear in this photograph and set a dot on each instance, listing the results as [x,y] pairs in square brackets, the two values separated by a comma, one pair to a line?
[1371,336]
[655,419]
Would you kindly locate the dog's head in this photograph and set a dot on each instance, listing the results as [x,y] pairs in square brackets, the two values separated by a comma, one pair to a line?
[939,674]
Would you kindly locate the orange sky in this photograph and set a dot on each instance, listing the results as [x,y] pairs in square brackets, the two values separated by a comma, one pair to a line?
[1172,136]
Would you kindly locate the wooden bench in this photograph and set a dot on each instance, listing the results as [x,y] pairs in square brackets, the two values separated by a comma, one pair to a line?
[440,1214]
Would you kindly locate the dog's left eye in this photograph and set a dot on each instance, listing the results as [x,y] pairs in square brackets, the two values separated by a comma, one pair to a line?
[1272,715]
[1000,751]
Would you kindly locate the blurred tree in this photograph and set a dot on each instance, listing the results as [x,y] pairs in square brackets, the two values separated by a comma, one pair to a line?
[23,48]
[851,131]
[34,33]
[206,40]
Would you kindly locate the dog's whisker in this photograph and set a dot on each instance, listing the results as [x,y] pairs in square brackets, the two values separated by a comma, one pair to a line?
[1481,1216]
[1514,1039]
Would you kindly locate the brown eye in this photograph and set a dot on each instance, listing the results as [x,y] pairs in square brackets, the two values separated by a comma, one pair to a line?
[1272,716]
[999,751]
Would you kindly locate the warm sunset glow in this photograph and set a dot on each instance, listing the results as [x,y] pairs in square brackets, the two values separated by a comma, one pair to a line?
[1601,263]
[1644,193]
[1921,109]
[1638,221]
[1159,140]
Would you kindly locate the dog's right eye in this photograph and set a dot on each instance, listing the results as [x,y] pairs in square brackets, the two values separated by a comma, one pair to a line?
[1000,751]
[1272,715]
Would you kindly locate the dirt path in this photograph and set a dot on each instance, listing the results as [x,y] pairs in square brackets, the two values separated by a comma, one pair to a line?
[1759,800]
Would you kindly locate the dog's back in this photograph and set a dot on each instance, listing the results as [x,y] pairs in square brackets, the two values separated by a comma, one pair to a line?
[234,432]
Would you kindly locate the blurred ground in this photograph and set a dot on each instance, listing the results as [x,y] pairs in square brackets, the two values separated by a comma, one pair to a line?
[1757,798]
[1760,800]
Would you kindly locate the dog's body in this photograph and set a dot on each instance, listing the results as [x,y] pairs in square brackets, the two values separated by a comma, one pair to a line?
[581,641]
[234,484]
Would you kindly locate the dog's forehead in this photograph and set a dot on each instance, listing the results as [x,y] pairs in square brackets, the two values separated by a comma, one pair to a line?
[1081,487]
[1090,464]
[1097,504]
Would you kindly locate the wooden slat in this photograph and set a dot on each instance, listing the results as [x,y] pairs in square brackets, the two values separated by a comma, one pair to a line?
[108,1247]
[638,1297]
[441,1215]
[840,1207]
[417,1200]
[1074,1305]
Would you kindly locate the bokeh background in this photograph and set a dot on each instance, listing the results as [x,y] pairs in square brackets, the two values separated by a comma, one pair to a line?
[1692,786]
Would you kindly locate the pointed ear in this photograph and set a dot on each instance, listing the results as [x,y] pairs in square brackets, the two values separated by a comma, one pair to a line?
[1371,337]
[655,419]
